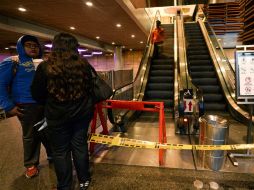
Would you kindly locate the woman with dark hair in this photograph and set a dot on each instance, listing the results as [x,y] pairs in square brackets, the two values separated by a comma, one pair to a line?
[62,83]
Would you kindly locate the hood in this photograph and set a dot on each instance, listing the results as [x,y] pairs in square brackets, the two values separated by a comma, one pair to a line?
[21,50]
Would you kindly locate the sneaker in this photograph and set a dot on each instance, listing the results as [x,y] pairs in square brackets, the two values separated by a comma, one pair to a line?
[31,172]
[84,186]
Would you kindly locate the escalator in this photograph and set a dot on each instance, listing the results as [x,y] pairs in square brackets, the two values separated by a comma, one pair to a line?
[160,84]
[201,69]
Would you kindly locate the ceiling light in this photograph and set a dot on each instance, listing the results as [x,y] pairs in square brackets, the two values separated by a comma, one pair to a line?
[72,28]
[113,43]
[89,3]
[141,42]
[87,55]
[22,9]
[123,46]
[82,50]
[79,49]
[130,49]
[98,37]
[97,52]
[6,48]
[118,25]
[48,45]
[133,36]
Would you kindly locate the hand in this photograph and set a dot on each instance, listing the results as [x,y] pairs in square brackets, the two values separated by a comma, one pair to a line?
[16,111]
[15,58]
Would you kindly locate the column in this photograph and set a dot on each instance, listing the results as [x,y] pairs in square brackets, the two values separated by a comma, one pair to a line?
[118,58]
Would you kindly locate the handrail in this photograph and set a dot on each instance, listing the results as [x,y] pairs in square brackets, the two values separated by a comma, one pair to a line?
[176,71]
[143,56]
[185,78]
[217,41]
[140,75]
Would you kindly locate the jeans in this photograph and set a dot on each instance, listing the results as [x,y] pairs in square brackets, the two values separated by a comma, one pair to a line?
[32,114]
[70,140]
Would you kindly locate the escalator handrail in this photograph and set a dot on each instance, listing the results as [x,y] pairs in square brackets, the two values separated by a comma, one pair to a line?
[221,76]
[141,66]
[217,41]
[186,81]
[148,44]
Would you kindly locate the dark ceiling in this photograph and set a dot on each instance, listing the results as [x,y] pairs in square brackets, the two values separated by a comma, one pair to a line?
[98,20]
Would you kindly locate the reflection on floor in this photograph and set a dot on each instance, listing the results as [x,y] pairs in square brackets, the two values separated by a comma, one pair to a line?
[146,128]
[117,158]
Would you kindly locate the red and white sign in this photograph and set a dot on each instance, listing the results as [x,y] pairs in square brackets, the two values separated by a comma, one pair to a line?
[188,105]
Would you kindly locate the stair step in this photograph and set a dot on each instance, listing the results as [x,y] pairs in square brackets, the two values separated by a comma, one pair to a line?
[161,73]
[213,97]
[201,68]
[205,81]
[161,79]
[210,74]
[160,86]
[210,88]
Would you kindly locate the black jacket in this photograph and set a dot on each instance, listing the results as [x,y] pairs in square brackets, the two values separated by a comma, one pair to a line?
[57,112]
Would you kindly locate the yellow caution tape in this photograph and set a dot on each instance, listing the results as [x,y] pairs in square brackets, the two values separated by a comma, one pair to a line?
[126,142]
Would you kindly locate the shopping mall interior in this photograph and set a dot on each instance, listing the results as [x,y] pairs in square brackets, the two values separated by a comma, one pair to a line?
[179,120]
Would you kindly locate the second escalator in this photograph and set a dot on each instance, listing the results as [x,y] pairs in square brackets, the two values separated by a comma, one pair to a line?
[202,70]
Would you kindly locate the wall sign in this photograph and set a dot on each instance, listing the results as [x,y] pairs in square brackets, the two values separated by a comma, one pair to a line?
[244,66]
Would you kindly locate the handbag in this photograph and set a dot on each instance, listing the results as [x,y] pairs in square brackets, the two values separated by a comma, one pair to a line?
[100,89]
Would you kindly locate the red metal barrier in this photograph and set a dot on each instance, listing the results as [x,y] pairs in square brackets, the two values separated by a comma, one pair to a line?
[133,105]
[98,110]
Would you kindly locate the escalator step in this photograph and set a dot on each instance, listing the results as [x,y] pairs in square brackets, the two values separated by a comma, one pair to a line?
[162,61]
[164,79]
[200,62]
[199,57]
[195,46]
[162,67]
[195,36]
[213,97]
[161,73]
[168,103]
[159,94]
[160,86]
[215,107]
[201,68]
[210,89]
[198,52]
[191,41]
[205,81]
[210,74]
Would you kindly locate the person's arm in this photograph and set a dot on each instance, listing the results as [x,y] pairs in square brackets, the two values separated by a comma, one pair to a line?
[152,36]
[5,79]
[39,84]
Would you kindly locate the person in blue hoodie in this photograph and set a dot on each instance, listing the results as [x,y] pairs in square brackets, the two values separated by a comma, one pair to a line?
[16,99]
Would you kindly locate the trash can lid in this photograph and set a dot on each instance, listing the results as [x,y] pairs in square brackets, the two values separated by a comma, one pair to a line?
[215,120]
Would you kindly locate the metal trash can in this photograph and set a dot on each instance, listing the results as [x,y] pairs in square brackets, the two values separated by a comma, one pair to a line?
[213,131]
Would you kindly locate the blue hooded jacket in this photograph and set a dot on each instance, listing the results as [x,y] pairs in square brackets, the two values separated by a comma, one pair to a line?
[21,82]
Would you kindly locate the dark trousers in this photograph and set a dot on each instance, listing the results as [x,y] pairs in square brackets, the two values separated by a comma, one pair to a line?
[70,140]
[157,49]
[31,137]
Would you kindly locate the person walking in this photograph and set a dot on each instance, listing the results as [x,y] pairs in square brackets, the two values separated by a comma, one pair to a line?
[16,99]
[62,84]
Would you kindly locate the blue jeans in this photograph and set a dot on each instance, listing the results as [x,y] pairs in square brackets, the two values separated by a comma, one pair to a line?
[70,140]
